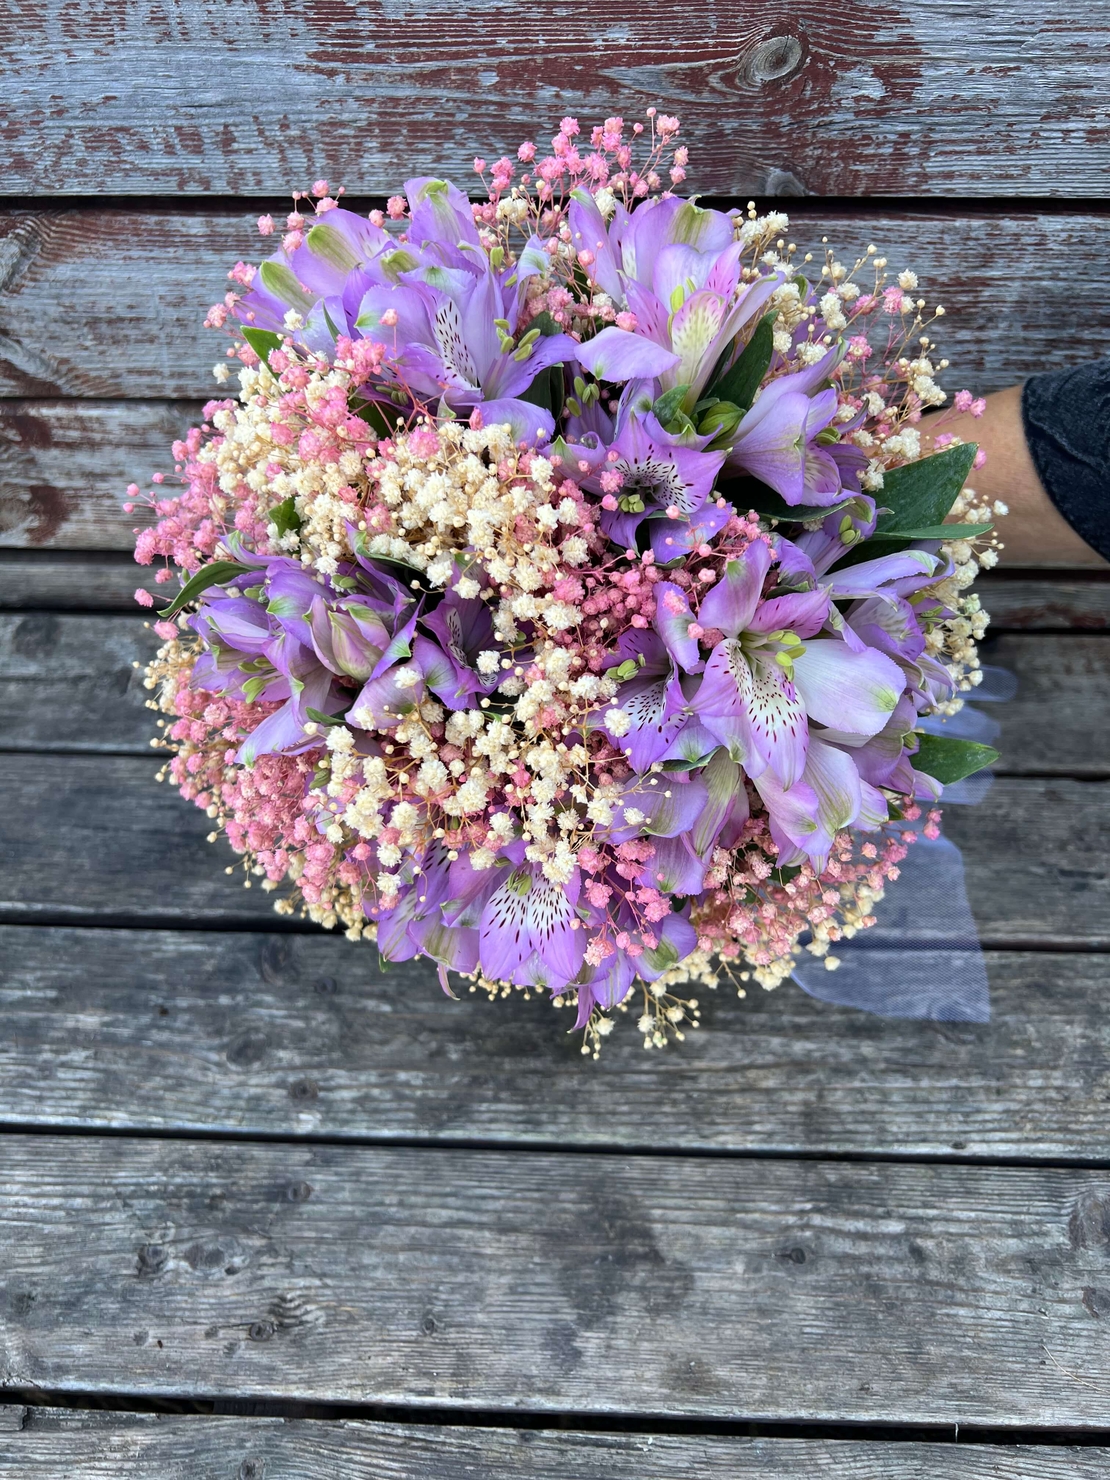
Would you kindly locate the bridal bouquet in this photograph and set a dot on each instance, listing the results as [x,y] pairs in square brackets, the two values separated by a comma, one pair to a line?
[562,594]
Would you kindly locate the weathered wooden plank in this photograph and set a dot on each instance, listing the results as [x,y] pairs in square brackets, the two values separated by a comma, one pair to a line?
[132,288]
[1047,605]
[1058,721]
[69,683]
[302,1035]
[65,466]
[655,1285]
[55,1441]
[90,837]
[69,580]
[784,99]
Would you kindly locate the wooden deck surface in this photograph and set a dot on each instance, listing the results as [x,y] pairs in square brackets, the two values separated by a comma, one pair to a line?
[265,1212]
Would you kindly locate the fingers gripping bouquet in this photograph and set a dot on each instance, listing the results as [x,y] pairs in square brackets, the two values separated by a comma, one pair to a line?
[563,592]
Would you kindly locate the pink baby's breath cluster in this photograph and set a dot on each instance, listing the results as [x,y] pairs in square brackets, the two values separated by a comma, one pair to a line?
[525,617]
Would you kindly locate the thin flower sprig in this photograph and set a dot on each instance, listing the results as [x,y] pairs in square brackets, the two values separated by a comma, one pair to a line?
[561,597]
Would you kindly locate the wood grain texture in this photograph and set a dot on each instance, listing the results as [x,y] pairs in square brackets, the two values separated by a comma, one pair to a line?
[1054,605]
[264,1035]
[69,580]
[193,97]
[56,1441]
[651,1285]
[67,683]
[132,288]
[88,837]
[65,467]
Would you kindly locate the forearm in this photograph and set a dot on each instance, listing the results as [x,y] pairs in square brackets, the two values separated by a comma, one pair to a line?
[1034,532]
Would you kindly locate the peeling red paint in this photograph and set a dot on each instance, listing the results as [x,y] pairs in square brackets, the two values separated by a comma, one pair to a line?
[891,98]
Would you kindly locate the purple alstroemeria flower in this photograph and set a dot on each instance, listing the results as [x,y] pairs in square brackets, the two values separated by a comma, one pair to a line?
[651,700]
[770,674]
[776,439]
[277,667]
[530,932]
[294,639]
[882,759]
[357,641]
[463,627]
[607,985]
[415,925]
[676,267]
[662,804]
[452,318]
[659,473]
[337,262]
[805,818]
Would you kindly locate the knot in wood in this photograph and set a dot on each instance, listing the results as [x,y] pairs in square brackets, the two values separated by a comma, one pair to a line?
[773,60]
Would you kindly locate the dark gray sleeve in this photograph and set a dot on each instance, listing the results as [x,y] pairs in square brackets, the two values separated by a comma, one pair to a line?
[1067,425]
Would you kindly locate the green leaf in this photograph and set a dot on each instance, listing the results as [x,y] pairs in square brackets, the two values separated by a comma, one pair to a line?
[263,342]
[377,415]
[318,717]
[936,532]
[282,282]
[214,574]
[740,384]
[285,516]
[951,760]
[545,324]
[920,494]
[668,405]
[546,391]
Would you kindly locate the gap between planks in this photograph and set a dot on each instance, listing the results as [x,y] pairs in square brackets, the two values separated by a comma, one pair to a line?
[48,1442]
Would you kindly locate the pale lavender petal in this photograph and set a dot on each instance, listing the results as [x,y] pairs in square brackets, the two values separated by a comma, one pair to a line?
[616,355]
[731,603]
[890,624]
[724,781]
[693,745]
[454,948]
[777,717]
[848,690]
[656,709]
[720,708]
[552,926]
[383,702]
[530,424]
[833,776]
[771,442]
[673,619]
[671,538]
[867,578]
[590,233]
[505,939]
[675,868]
[669,801]
[793,814]
[677,938]
[803,612]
